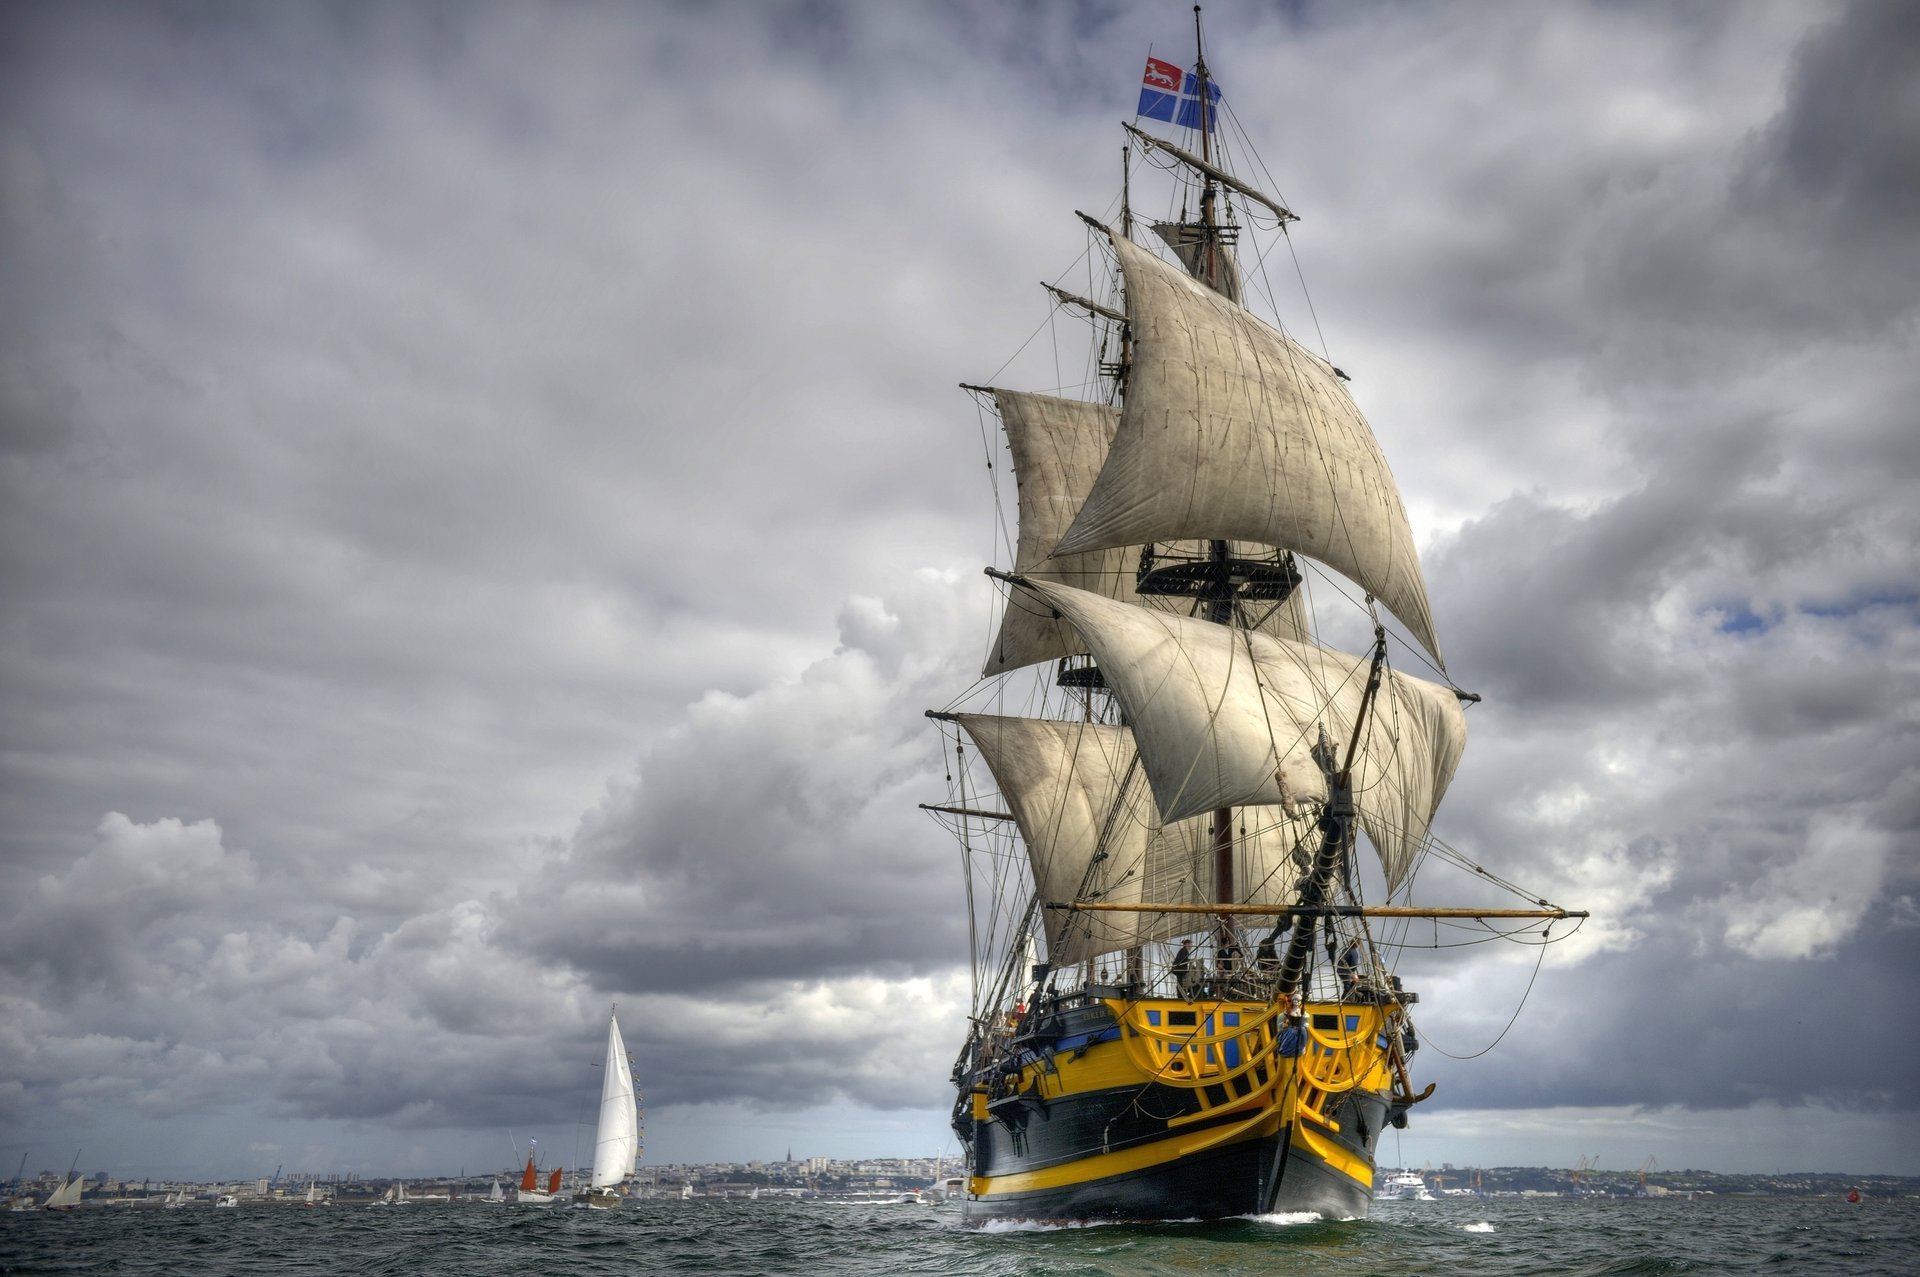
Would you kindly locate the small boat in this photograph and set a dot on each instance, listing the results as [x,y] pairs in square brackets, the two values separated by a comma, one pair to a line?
[1402,1186]
[616,1142]
[530,1193]
[227,1201]
[176,1200]
[495,1197]
[67,1196]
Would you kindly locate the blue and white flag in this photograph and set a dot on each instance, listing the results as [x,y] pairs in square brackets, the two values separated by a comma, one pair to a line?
[1170,94]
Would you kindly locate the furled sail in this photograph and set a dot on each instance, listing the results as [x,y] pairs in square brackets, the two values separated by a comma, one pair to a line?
[1058,446]
[1076,793]
[1189,242]
[617,1141]
[1232,429]
[1223,717]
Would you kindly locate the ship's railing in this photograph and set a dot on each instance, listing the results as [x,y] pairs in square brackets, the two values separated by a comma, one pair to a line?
[1227,1053]
[1222,1051]
[1189,1044]
[1344,1049]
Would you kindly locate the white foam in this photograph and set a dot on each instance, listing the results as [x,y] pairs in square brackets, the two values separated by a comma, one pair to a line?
[1037,1225]
[1288,1218]
[1477,1226]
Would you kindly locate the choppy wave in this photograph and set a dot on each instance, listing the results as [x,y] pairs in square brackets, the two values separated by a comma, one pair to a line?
[1592,1238]
[1039,1225]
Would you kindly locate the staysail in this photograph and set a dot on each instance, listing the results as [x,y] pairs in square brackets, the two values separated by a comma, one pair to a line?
[1086,814]
[1224,718]
[1265,441]
[1058,446]
[617,1143]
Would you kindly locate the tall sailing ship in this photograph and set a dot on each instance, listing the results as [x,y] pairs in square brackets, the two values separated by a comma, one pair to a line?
[1183,1001]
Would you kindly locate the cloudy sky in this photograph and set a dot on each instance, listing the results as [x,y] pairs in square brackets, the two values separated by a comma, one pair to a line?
[483,504]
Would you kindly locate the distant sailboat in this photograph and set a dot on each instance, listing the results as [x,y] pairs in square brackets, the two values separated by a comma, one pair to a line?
[67,1196]
[494,1196]
[530,1192]
[616,1145]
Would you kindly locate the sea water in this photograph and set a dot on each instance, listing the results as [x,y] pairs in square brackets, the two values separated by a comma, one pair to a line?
[1772,1235]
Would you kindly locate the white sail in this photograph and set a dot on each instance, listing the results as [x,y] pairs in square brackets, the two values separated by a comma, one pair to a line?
[617,1141]
[1231,429]
[1058,446]
[67,1195]
[1086,814]
[1224,717]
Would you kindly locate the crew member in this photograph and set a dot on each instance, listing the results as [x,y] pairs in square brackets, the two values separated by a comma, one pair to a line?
[1182,969]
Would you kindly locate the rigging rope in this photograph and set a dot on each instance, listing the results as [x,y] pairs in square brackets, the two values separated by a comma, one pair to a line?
[1427,1036]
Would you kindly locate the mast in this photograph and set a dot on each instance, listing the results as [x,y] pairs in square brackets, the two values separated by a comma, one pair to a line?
[1220,605]
[1210,272]
[1336,830]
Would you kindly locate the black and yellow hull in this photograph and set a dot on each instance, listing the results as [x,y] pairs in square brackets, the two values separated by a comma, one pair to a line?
[1164,1109]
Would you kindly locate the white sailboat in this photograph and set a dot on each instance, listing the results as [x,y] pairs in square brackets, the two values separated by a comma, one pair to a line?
[495,1196]
[616,1145]
[67,1196]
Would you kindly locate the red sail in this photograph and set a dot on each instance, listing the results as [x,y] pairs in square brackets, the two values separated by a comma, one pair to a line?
[529,1179]
[553,1181]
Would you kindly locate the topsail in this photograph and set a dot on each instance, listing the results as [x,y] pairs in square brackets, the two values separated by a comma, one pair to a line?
[1232,429]
[1058,447]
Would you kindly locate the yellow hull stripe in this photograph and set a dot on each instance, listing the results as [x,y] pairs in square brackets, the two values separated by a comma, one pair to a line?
[1100,1166]
[1334,1154]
